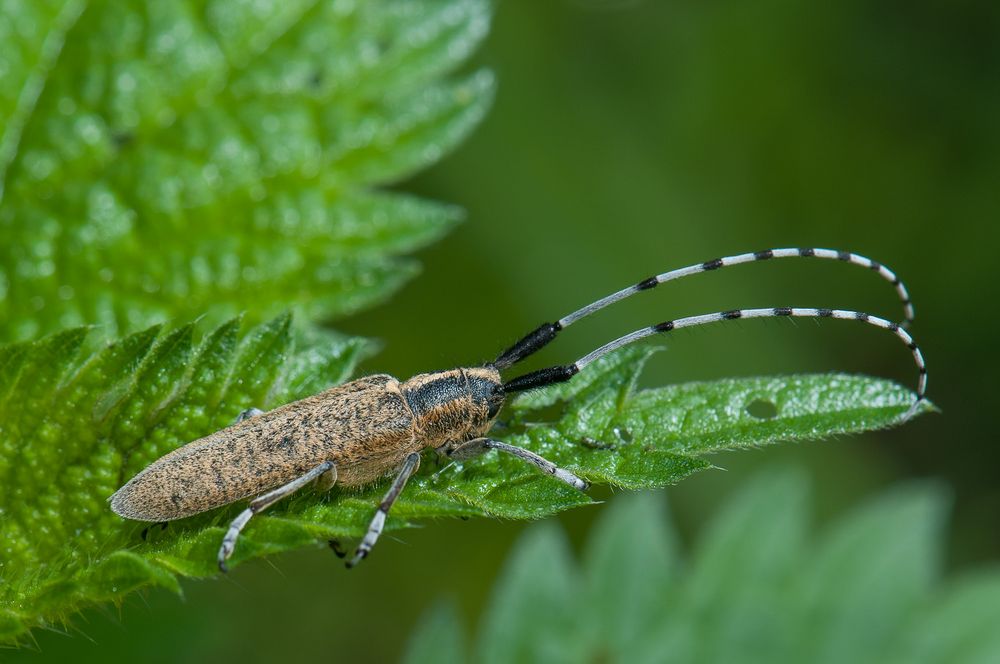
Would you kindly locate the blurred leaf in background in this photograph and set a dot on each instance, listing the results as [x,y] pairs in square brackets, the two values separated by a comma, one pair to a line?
[76,427]
[168,160]
[758,586]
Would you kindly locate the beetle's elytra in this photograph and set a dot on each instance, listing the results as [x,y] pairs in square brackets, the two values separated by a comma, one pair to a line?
[359,432]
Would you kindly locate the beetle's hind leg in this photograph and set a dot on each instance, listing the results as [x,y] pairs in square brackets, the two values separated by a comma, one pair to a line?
[410,466]
[325,472]
[478,446]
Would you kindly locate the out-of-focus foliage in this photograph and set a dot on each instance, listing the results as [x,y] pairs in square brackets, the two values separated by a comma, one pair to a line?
[73,428]
[168,160]
[758,586]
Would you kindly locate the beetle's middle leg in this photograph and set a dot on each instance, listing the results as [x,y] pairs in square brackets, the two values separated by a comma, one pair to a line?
[378,522]
[478,446]
[325,472]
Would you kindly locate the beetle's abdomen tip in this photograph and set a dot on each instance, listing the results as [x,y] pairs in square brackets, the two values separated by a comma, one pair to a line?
[124,504]
[120,504]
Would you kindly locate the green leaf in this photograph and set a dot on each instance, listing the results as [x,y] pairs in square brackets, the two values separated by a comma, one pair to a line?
[759,587]
[170,160]
[630,556]
[74,428]
[33,34]
[745,555]
[531,616]
[958,624]
[75,424]
[885,558]
[438,638]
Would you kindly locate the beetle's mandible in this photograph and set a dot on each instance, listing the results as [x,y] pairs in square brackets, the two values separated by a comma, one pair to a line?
[362,431]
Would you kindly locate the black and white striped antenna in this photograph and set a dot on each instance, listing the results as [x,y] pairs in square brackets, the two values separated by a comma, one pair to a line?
[545,333]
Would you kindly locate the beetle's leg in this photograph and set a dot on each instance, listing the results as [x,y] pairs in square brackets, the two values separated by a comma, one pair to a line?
[247,414]
[145,531]
[477,446]
[336,548]
[261,503]
[378,522]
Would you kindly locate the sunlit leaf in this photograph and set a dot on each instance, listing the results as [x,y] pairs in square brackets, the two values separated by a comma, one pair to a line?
[163,161]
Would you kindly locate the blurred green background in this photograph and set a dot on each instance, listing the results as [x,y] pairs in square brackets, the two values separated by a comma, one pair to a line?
[628,138]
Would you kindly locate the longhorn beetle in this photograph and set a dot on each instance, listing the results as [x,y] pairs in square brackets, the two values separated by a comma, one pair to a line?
[359,432]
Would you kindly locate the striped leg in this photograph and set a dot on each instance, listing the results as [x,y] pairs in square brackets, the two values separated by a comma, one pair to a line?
[261,503]
[378,521]
[478,446]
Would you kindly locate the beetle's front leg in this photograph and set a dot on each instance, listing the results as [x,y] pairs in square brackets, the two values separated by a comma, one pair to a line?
[478,446]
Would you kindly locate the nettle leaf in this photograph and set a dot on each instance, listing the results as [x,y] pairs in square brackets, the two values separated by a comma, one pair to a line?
[75,425]
[439,638]
[72,428]
[758,586]
[162,161]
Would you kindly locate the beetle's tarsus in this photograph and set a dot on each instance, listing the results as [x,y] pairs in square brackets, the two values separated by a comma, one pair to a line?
[358,557]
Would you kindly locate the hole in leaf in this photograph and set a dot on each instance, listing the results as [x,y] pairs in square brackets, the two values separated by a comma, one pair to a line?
[762,409]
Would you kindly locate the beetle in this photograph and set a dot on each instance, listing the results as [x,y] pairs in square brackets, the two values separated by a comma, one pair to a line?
[359,432]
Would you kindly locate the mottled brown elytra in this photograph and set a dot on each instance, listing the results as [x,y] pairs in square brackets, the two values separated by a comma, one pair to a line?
[360,432]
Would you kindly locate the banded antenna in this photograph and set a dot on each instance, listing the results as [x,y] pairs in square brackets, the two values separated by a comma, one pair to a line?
[545,333]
